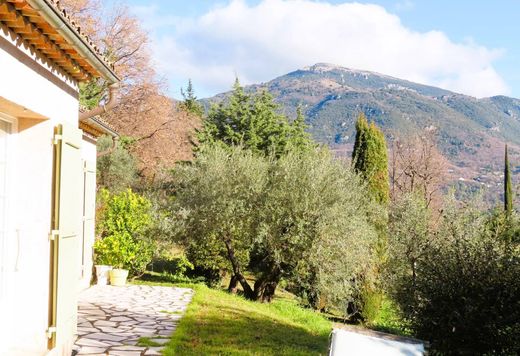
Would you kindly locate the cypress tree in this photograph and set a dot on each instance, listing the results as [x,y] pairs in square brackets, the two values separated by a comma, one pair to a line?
[370,159]
[360,144]
[508,190]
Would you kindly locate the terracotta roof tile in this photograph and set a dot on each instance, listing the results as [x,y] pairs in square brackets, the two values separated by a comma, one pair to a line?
[77,28]
[31,25]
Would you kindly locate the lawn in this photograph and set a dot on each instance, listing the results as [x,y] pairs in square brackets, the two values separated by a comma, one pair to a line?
[218,323]
[389,320]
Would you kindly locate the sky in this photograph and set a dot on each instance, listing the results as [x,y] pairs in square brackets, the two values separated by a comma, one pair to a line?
[468,46]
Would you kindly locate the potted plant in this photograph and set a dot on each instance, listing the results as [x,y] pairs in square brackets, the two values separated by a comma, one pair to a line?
[113,250]
[123,222]
[102,274]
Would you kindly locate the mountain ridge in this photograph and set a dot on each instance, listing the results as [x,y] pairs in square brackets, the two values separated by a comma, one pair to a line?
[472,132]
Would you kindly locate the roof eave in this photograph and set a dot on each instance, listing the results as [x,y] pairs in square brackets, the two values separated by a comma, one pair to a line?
[64,28]
[100,126]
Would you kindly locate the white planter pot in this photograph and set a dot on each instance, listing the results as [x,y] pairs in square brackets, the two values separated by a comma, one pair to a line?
[102,273]
[118,277]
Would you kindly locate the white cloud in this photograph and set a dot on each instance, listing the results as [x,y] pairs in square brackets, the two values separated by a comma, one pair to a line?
[260,42]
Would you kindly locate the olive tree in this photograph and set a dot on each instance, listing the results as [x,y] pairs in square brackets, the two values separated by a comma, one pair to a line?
[410,234]
[116,167]
[301,217]
[314,228]
[216,198]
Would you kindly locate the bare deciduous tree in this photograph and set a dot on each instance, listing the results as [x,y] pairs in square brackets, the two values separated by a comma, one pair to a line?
[418,166]
[162,132]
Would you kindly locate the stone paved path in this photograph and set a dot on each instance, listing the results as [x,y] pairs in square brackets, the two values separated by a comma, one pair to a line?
[112,319]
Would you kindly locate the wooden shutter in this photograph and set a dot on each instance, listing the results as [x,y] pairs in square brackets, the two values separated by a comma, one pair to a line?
[89,216]
[68,188]
[5,130]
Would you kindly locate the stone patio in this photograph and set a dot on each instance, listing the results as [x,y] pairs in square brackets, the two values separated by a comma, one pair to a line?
[112,319]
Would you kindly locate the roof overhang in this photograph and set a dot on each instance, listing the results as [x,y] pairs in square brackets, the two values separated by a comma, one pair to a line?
[48,29]
[96,127]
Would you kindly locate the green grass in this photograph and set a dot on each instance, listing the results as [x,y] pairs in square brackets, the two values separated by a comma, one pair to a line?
[147,342]
[150,277]
[174,312]
[218,323]
[223,324]
[390,321]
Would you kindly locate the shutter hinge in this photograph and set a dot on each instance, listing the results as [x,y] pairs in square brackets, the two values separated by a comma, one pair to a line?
[53,235]
[57,139]
[51,330]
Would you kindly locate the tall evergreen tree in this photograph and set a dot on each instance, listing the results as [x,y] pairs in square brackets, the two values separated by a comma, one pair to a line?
[360,144]
[370,159]
[254,122]
[190,103]
[508,190]
[299,137]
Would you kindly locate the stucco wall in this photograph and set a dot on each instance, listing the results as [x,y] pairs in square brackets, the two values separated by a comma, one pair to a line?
[26,80]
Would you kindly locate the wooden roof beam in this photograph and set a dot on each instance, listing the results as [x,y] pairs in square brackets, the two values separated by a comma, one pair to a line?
[6,13]
[23,19]
[35,36]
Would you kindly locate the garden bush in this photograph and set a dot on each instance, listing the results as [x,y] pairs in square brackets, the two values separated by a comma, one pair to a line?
[466,295]
[123,220]
[176,266]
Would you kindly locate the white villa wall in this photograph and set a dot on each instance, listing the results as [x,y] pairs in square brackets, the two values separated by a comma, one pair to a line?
[27,81]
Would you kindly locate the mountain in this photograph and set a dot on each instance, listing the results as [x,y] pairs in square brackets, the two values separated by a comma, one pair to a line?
[472,132]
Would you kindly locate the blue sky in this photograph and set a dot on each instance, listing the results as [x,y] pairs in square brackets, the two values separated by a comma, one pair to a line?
[469,46]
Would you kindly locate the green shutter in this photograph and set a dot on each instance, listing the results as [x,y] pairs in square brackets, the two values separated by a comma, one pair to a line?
[68,188]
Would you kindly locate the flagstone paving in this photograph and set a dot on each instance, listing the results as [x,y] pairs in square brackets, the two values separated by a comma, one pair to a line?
[112,319]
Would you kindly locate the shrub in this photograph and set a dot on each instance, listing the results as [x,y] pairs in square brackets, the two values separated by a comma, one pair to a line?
[174,266]
[466,297]
[212,277]
[123,221]
[370,302]
[390,320]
